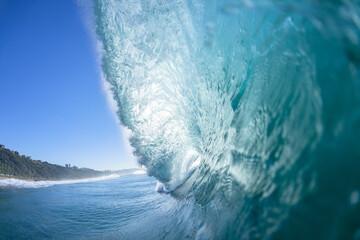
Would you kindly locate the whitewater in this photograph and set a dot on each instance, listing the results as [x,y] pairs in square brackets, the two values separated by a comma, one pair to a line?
[19,183]
[246,112]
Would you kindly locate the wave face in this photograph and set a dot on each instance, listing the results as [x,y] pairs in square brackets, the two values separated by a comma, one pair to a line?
[246,111]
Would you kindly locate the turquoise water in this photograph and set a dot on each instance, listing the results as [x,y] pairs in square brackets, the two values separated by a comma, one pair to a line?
[110,209]
[247,112]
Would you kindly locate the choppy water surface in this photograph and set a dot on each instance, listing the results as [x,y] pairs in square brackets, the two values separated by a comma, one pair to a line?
[110,209]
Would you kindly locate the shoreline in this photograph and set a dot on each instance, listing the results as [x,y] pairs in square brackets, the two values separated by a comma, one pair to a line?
[105,176]
[2,177]
[20,178]
[7,181]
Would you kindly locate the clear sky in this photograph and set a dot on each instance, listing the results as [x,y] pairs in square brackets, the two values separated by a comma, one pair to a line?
[52,106]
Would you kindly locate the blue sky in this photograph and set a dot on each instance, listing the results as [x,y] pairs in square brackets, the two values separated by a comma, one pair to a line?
[53,107]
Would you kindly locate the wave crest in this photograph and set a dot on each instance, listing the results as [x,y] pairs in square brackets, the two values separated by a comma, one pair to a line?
[235,100]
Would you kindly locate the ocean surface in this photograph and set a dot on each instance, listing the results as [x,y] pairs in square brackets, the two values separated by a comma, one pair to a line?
[125,207]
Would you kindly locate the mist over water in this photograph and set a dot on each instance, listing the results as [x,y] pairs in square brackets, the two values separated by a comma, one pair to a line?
[246,111]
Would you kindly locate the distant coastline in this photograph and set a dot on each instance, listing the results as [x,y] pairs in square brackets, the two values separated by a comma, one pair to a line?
[16,166]
[4,176]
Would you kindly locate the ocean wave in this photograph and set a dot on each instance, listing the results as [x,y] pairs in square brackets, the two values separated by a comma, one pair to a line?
[251,106]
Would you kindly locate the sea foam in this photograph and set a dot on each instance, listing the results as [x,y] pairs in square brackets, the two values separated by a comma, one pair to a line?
[17,183]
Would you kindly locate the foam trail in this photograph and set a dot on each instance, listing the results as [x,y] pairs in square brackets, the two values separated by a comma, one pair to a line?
[17,183]
[139,172]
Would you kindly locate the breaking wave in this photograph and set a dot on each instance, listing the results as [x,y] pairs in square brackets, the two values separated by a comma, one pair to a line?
[246,111]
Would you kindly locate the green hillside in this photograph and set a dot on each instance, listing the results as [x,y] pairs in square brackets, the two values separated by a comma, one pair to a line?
[14,164]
